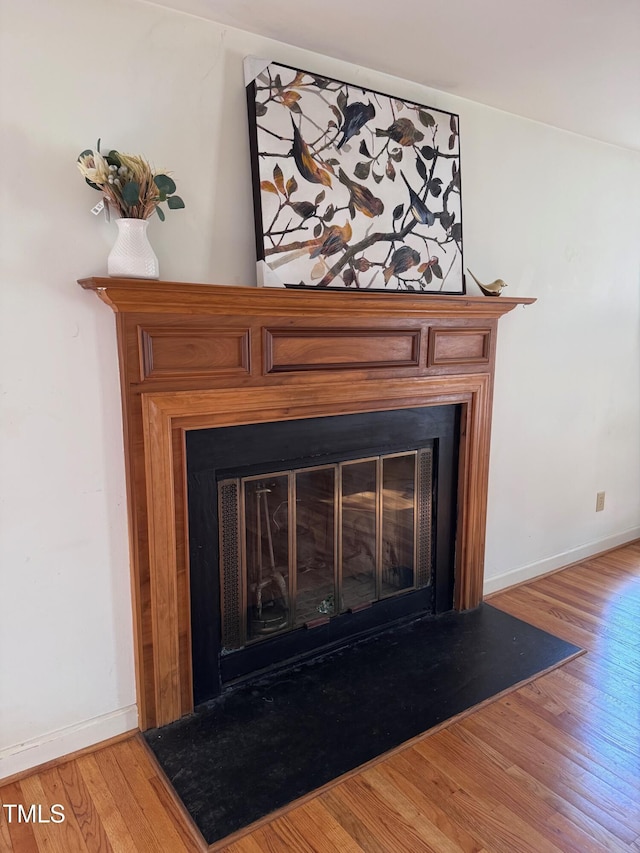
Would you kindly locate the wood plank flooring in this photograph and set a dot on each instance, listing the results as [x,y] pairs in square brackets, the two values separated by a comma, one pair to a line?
[553,766]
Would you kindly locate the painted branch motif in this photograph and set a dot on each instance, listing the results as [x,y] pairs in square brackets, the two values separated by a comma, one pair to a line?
[357,189]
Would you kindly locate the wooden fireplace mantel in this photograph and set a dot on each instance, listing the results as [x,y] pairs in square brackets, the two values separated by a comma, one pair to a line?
[196,356]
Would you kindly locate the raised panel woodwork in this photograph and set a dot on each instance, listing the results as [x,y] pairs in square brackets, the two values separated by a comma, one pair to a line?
[187,352]
[185,363]
[289,350]
[459,346]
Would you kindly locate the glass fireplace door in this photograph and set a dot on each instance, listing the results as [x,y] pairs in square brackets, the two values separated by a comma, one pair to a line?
[298,547]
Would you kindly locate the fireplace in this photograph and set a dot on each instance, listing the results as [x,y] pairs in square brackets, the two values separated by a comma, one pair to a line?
[310,533]
[206,357]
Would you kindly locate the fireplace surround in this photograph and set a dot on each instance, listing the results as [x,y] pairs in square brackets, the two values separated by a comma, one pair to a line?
[198,357]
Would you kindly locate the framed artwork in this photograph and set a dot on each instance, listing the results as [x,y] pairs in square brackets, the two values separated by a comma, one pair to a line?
[352,188]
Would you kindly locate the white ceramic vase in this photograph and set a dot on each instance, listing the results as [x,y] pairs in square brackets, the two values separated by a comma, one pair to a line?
[132,255]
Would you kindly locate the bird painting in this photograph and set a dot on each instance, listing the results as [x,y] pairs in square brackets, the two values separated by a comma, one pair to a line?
[332,240]
[403,131]
[419,209]
[401,261]
[493,289]
[361,198]
[303,159]
[356,115]
[353,188]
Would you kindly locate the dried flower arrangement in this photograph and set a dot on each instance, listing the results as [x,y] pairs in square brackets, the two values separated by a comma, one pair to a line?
[129,185]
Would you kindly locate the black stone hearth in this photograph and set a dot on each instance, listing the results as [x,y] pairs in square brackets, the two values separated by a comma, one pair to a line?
[260,746]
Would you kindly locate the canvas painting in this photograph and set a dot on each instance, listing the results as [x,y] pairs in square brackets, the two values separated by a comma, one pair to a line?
[352,188]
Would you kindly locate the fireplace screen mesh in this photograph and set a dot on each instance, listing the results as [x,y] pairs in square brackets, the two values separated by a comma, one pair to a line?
[300,546]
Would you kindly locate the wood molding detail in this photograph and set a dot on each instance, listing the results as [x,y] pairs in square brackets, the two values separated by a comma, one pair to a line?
[183,352]
[459,346]
[290,350]
[205,356]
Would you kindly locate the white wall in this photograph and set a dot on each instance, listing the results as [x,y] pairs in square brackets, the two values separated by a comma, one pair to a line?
[555,215]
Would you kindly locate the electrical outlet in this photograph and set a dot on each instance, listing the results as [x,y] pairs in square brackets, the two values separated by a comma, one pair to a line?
[599,501]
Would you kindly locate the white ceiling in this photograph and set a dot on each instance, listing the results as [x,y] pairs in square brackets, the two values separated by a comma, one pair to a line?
[574,64]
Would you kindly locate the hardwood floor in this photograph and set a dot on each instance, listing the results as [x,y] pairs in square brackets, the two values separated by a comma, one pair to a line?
[552,766]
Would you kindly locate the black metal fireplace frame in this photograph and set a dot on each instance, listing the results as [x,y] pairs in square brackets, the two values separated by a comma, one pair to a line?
[215,454]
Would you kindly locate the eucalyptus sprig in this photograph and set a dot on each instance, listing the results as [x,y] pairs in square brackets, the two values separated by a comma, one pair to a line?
[128,183]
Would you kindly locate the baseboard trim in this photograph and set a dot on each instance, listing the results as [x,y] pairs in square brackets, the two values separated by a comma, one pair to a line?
[67,742]
[559,561]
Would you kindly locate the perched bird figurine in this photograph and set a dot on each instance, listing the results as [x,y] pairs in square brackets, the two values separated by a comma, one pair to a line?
[356,115]
[419,209]
[493,289]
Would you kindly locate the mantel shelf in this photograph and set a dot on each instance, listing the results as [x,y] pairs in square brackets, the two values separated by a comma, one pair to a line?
[150,296]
